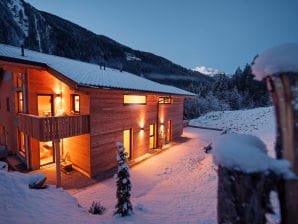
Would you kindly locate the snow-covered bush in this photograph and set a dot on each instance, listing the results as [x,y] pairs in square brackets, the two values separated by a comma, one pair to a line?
[96,208]
[124,206]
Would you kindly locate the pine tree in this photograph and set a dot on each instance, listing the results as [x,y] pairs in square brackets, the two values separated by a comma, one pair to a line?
[124,206]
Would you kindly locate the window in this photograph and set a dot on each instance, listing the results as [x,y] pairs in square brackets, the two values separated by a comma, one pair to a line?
[7,104]
[21,142]
[134,99]
[165,100]
[76,104]
[18,80]
[20,102]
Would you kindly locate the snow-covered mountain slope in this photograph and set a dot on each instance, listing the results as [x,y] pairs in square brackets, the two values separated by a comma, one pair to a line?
[208,71]
[40,31]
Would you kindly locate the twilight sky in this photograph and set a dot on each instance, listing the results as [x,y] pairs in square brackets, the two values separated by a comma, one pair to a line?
[222,34]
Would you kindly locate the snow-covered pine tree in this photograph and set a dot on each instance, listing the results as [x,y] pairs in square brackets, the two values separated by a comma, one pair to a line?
[124,206]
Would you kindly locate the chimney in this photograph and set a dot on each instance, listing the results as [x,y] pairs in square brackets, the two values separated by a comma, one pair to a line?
[22,50]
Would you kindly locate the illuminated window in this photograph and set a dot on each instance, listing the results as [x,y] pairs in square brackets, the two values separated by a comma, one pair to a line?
[76,104]
[134,99]
[21,142]
[20,102]
[165,100]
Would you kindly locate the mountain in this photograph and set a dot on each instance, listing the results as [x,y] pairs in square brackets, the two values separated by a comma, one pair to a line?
[21,23]
[208,71]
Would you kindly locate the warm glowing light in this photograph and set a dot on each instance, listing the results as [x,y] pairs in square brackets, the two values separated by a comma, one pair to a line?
[134,99]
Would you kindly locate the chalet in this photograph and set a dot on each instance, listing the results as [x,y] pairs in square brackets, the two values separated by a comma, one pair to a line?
[53,109]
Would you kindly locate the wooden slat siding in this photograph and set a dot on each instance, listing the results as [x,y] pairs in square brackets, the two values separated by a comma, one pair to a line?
[7,118]
[78,148]
[109,117]
[50,128]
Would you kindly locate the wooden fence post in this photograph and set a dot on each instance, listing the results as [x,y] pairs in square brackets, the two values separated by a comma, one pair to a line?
[244,197]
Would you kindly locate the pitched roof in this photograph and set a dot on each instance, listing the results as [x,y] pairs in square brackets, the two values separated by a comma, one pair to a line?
[86,74]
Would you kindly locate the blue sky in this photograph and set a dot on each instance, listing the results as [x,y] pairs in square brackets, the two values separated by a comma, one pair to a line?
[222,34]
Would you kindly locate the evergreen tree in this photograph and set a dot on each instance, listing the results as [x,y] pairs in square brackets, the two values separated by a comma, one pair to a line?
[124,206]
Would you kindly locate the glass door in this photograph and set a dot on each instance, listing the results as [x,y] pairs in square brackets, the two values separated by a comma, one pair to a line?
[45,109]
[45,105]
[46,152]
[127,142]
[152,136]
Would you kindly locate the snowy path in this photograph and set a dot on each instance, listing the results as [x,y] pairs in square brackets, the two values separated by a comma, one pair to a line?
[176,186]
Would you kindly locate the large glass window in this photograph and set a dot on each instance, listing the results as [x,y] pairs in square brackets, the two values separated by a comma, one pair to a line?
[134,99]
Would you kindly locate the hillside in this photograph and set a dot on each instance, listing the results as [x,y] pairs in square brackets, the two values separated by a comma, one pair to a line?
[23,24]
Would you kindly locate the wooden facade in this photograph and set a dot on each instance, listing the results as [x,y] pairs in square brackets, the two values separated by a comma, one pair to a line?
[38,107]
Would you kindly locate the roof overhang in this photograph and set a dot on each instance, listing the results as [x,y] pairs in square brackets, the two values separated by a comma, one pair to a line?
[8,62]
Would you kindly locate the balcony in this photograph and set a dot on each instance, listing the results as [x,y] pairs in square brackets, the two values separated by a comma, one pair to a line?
[50,128]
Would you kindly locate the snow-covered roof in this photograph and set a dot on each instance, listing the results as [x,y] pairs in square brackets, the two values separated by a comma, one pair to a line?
[86,74]
[280,59]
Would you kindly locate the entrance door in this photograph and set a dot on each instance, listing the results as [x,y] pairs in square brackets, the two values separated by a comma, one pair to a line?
[152,134]
[169,131]
[45,105]
[127,142]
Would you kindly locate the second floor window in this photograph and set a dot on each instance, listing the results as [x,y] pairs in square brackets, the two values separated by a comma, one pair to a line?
[76,104]
[165,100]
[20,101]
[134,99]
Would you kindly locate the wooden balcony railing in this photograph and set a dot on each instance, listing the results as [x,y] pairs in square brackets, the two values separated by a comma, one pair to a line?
[50,128]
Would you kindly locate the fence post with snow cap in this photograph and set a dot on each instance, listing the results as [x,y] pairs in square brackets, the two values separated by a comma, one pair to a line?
[246,176]
[279,66]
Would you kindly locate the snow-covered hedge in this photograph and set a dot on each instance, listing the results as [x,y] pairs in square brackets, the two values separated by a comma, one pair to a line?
[280,59]
[247,153]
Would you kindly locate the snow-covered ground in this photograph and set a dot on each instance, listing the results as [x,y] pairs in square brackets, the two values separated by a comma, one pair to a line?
[178,185]
[259,122]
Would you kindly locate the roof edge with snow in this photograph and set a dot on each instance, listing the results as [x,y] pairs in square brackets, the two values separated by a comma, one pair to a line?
[87,74]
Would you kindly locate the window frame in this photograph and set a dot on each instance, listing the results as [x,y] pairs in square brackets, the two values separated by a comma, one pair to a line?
[165,100]
[73,96]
